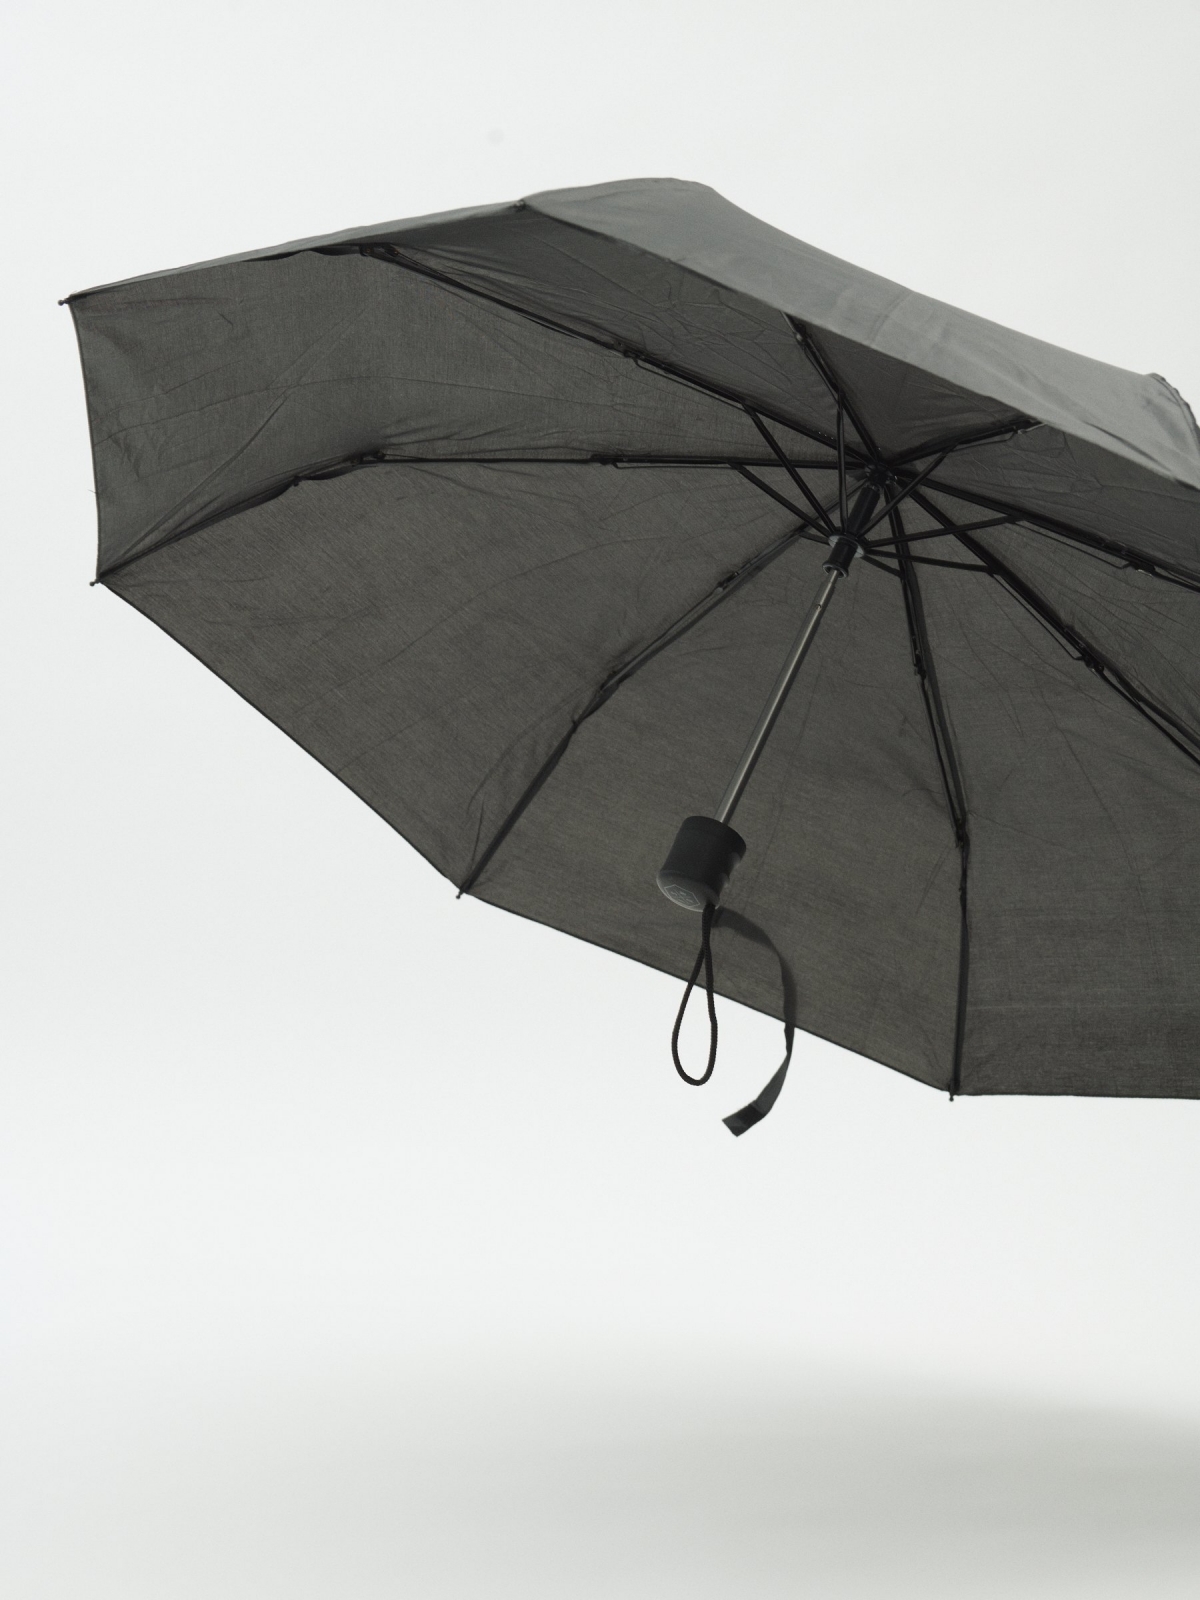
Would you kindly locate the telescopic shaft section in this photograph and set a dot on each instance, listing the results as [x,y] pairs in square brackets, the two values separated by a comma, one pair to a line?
[774,705]
[842,552]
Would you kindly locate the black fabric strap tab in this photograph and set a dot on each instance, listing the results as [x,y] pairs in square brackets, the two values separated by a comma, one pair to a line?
[738,1121]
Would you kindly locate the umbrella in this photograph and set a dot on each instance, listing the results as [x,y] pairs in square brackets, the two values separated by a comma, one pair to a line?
[523,519]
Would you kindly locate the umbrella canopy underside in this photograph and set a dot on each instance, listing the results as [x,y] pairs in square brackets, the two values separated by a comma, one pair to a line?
[510,516]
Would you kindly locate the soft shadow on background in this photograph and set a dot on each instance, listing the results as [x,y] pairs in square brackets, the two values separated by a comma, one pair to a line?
[705,1482]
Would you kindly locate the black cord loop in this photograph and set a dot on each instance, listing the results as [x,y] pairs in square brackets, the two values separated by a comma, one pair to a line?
[738,1121]
[704,958]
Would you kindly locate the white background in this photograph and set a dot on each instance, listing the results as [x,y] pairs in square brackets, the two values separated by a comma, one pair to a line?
[359,1242]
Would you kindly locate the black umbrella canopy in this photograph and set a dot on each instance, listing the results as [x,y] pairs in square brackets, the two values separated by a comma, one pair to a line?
[510,516]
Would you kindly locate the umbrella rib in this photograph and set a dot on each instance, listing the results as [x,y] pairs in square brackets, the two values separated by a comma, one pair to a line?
[843,496]
[824,369]
[611,343]
[806,462]
[880,566]
[939,726]
[1167,571]
[777,450]
[905,493]
[948,444]
[597,458]
[378,458]
[1179,734]
[939,449]
[887,546]
[683,624]
[743,471]
[952,784]
[1185,739]
[920,561]
[944,446]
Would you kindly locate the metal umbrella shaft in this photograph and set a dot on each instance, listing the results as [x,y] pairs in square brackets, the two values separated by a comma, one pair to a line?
[707,849]
[774,703]
[843,551]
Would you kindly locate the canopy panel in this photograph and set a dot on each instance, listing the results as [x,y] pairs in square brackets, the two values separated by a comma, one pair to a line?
[510,515]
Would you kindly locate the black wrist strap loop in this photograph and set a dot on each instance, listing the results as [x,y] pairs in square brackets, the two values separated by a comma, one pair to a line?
[704,958]
[738,1121]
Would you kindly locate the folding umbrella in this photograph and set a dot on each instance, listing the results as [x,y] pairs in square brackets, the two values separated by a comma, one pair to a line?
[522,520]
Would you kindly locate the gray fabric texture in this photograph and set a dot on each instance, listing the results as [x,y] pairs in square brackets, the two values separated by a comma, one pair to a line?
[488,512]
